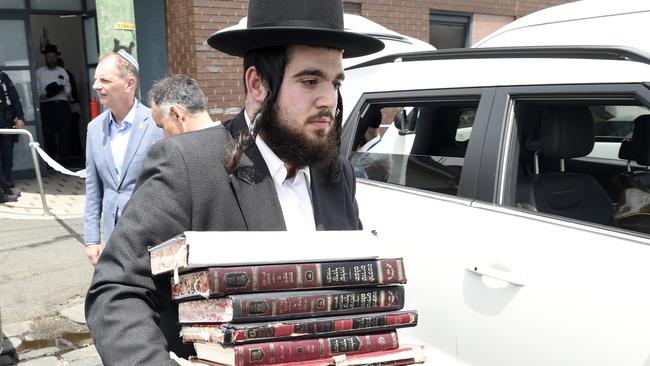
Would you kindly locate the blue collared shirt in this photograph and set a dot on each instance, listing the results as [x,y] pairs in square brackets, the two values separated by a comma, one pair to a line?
[119,138]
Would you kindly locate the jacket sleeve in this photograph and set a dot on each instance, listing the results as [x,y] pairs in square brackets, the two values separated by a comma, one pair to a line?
[14,97]
[351,182]
[130,313]
[94,194]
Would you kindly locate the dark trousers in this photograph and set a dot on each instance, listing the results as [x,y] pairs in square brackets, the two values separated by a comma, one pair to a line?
[6,155]
[55,116]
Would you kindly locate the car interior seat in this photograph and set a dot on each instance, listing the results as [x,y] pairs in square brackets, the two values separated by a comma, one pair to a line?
[636,149]
[633,208]
[565,132]
[372,118]
[423,171]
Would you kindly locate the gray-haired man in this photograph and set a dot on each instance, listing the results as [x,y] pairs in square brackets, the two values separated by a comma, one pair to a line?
[178,105]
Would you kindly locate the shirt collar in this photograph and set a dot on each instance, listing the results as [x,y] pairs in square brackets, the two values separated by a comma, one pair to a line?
[130,117]
[276,166]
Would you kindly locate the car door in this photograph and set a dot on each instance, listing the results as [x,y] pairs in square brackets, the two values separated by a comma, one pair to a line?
[415,188]
[540,288]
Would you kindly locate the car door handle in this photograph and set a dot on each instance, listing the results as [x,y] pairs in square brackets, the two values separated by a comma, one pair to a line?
[501,273]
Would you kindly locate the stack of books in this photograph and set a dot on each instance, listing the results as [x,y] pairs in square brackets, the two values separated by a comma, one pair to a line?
[291,311]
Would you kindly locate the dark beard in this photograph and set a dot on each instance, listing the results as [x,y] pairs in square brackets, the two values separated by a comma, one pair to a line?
[50,65]
[294,148]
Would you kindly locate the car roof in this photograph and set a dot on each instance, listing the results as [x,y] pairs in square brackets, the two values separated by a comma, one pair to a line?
[515,66]
[587,22]
[394,42]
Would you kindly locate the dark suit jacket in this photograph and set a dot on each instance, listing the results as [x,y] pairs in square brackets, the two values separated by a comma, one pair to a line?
[184,186]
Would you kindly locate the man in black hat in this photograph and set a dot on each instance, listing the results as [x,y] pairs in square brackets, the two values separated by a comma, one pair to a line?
[275,166]
[54,91]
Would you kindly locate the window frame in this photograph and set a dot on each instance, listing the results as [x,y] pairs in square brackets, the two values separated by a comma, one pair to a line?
[503,160]
[451,18]
[483,95]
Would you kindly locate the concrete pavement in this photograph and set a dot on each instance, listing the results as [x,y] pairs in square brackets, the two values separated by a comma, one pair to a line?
[44,275]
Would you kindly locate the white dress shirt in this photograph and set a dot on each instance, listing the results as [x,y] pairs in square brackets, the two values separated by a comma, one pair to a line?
[45,76]
[294,193]
[119,138]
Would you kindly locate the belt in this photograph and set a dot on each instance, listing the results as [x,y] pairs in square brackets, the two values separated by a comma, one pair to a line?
[55,101]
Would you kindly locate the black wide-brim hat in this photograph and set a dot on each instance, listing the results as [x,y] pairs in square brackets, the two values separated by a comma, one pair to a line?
[50,48]
[294,22]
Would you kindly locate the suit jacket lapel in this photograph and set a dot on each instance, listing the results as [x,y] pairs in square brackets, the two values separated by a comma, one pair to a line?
[323,209]
[106,148]
[138,130]
[253,186]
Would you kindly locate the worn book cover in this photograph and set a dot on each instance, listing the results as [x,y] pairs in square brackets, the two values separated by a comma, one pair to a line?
[218,281]
[296,351]
[403,355]
[232,334]
[268,306]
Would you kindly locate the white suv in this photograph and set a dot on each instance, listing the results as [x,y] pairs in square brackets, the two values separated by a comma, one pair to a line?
[520,249]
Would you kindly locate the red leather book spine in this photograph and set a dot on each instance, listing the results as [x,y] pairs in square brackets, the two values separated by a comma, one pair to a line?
[298,304]
[319,326]
[311,349]
[277,277]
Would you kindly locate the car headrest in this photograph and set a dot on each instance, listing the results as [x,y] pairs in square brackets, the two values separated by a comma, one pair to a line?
[565,132]
[372,118]
[626,150]
[640,149]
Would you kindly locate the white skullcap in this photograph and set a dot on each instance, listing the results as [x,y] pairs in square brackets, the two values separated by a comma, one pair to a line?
[127,56]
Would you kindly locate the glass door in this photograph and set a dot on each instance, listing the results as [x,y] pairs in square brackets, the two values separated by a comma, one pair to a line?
[15,53]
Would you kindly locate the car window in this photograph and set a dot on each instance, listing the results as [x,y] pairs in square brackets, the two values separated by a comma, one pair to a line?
[417,145]
[615,122]
[555,171]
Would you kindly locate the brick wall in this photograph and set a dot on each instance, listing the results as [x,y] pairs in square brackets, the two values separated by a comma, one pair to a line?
[191,22]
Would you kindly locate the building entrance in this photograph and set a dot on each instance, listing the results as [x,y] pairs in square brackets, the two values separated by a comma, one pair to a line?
[26,27]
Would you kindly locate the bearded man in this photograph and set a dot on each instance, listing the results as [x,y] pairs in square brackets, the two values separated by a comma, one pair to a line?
[54,91]
[275,166]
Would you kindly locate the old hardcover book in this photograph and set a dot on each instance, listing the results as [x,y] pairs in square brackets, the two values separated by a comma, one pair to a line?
[232,334]
[195,249]
[403,355]
[295,351]
[216,281]
[269,306]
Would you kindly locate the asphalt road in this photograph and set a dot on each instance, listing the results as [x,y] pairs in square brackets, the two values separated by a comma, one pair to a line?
[42,264]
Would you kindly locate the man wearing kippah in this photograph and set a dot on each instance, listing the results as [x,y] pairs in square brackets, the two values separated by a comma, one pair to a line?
[275,166]
[116,144]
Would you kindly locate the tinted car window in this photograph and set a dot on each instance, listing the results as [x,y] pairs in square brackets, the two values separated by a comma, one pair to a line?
[420,145]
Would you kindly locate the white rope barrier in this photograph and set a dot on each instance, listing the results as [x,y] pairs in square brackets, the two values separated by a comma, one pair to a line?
[54,164]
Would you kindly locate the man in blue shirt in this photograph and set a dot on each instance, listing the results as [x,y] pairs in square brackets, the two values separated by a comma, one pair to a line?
[116,145]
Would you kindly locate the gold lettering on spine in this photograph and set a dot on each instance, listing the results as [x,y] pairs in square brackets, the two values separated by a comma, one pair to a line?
[321,347]
[368,345]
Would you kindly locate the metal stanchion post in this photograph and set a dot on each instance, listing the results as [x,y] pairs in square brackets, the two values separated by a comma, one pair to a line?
[37,168]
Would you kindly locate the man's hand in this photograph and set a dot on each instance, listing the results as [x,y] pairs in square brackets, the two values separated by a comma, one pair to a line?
[20,124]
[93,251]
